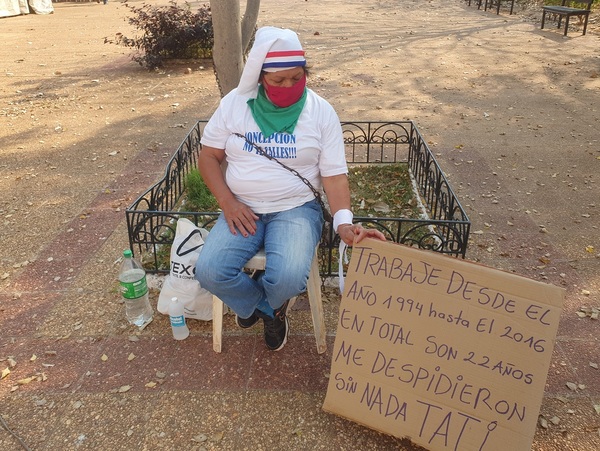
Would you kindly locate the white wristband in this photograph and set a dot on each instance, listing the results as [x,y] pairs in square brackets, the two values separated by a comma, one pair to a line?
[342,217]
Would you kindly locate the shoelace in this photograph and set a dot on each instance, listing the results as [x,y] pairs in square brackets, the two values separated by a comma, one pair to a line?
[272,329]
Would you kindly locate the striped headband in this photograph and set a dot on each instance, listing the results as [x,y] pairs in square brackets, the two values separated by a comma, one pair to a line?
[283,59]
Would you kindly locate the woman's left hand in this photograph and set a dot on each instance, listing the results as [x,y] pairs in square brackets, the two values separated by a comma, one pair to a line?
[354,233]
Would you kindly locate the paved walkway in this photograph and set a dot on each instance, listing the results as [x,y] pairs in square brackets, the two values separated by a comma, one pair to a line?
[81,378]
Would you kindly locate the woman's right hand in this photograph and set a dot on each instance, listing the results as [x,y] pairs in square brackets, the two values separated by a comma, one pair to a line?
[240,217]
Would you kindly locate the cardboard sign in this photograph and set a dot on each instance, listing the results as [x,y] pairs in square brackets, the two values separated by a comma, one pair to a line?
[449,353]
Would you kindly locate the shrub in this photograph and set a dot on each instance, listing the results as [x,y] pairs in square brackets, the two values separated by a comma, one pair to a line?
[168,32]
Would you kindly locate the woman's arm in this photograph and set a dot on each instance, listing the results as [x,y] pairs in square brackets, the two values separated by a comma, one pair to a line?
[338,196]
[237,214]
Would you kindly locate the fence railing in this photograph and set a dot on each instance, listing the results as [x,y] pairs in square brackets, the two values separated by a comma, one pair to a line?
[152,217]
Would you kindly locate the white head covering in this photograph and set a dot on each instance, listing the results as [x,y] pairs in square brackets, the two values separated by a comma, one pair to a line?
[274,49]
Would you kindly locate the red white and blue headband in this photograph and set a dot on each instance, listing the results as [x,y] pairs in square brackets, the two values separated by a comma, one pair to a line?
[283,59]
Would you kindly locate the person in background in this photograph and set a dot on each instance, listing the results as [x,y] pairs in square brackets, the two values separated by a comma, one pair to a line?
[275,135]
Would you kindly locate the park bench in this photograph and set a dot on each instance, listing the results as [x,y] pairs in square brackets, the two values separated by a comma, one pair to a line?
[492,3]
[496,3]
[567,12]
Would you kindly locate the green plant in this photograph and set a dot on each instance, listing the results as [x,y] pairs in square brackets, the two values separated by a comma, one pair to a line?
[198,196]
[168,32]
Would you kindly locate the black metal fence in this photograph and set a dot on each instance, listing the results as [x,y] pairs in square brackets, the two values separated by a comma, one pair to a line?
[152,217]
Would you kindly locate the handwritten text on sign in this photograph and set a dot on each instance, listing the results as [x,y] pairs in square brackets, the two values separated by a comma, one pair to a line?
[449,353]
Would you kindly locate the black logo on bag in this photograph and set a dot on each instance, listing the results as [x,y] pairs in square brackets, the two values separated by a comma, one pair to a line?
[179,269]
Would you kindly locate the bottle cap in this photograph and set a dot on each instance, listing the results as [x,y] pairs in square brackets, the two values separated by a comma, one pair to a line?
[127,253]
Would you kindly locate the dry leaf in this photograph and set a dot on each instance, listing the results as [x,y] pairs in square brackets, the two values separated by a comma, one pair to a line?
[589,249]
[25,380]
[594,365]
[597,408]
[130,357]
[381,207]
[104,357]
[572,386]
[11,362]
[150,384]
[200,438]
[33,358]
[543,422]
[5,372]
[217,436]
[124,388]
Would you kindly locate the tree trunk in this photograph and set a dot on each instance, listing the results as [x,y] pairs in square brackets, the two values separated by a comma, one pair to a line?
[249,23]
[230,40]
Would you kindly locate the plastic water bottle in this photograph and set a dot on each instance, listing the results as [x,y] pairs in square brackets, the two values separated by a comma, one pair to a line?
[134,289]
[178,325]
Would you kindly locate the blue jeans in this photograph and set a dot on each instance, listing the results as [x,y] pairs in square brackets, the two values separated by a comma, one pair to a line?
[289,239]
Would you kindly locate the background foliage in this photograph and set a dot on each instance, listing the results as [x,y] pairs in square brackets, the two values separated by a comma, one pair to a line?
[168,32]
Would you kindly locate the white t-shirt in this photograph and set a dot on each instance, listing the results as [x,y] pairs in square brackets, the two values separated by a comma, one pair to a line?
[315,149]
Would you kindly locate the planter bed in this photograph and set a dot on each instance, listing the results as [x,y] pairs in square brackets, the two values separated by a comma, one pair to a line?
[443,227]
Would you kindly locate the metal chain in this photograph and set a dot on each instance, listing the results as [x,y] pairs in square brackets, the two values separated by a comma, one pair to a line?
[217,78]
[317,194]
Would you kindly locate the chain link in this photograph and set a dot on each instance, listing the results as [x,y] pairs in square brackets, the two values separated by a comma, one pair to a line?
[217,78]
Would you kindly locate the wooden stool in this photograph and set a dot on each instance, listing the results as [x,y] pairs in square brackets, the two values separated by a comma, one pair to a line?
[313,287]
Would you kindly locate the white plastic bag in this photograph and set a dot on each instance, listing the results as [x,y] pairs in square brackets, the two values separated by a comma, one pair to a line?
[180,283]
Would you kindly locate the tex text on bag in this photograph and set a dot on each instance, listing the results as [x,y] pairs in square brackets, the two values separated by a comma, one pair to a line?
[181,283]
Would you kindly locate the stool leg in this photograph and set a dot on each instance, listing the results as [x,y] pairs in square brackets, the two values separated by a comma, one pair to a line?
[217,323]
[316,306]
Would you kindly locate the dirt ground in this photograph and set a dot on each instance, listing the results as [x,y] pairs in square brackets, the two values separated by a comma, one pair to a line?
[511,112]
[484,84]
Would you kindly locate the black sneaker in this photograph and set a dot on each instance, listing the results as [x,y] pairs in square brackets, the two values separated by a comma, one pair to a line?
[276,329]
[246,323]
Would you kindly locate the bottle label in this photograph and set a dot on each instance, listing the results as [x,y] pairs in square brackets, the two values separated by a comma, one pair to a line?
[177,321]
[134,290]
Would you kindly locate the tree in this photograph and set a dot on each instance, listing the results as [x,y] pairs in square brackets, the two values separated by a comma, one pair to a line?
[232,35]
